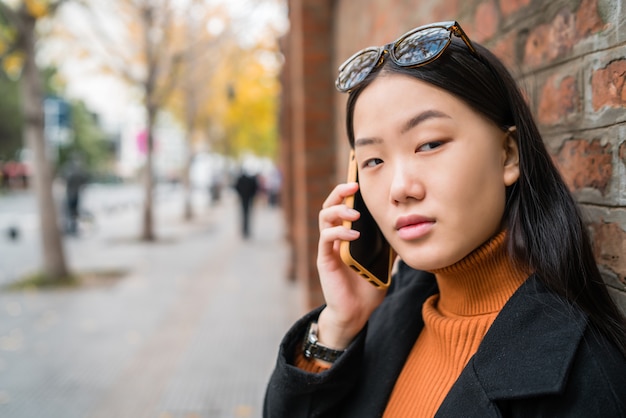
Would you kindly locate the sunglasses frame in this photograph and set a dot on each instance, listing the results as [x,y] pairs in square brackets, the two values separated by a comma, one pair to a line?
[452,26]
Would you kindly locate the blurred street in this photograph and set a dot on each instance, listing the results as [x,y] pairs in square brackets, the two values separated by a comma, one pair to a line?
[190,330]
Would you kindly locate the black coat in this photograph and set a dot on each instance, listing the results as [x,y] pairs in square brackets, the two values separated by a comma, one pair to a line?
[540,358]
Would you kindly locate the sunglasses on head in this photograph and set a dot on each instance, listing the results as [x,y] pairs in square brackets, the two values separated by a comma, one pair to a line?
[413,49]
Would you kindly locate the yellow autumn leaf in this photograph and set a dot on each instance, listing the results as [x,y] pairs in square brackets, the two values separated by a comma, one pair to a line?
[12,65]
[37,8]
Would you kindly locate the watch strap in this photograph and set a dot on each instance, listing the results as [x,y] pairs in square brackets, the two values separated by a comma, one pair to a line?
[313,349]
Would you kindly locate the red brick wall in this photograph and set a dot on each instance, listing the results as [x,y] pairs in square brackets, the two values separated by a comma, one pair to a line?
[307,131]
[569,56]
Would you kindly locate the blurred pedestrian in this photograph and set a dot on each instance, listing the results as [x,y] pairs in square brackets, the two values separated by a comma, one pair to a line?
[216,183]
[273,183]
[75,180]
[246,187]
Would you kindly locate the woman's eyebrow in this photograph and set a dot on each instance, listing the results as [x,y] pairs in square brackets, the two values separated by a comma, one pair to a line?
[367,141]
[421,117]
[410,124]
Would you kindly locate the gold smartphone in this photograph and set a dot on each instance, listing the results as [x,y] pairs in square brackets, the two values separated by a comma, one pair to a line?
[370,255]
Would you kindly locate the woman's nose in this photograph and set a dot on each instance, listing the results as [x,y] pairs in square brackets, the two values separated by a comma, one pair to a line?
[406,184]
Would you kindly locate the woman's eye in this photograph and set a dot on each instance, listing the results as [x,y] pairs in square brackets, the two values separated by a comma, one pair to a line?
[429,146]
[373,162]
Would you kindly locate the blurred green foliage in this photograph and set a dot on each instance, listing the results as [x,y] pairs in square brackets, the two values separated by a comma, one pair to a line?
[10,118]
[88,140]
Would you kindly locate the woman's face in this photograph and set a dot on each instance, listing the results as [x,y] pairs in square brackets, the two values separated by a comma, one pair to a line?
[432,171]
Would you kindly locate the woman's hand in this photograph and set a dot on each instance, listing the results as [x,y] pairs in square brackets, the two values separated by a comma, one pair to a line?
[350,299]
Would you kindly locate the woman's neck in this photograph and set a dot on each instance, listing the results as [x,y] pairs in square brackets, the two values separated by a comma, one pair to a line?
[480,283]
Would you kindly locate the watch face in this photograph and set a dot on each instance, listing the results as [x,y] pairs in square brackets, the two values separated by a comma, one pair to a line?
[312,332]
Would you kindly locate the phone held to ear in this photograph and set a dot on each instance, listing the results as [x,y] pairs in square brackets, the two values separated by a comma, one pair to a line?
[370,255]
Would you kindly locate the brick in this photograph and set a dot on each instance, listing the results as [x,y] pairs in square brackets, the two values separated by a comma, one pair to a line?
[486,17]
[504,49]
[563,32]
[610,247]
[537,46]
[608,86]
[585,164]
[444,9]
[588,21]
[547,42]
[558,100]
[508,7]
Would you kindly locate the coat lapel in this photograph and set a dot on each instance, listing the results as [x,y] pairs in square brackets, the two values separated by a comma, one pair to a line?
[528,351]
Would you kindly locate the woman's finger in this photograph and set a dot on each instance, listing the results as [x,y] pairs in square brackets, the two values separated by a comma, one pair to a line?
[339,193]
[335,215]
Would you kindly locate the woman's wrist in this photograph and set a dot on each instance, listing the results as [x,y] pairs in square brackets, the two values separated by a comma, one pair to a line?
[336,334]
[314,350]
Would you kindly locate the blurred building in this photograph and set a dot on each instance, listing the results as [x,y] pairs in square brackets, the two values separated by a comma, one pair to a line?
[568,54]
[169,146]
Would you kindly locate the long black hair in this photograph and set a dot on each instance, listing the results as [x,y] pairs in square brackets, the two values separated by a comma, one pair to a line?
[545,228]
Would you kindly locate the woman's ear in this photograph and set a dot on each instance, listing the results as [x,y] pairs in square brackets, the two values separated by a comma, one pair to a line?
[511,157]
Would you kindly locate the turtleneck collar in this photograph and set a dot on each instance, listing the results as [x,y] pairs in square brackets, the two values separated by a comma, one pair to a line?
[481,283]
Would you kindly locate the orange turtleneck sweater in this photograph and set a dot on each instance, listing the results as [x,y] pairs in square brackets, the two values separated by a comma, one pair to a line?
[471,294]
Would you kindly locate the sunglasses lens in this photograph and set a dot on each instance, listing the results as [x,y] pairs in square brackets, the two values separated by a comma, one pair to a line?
[357,69]
[421,46]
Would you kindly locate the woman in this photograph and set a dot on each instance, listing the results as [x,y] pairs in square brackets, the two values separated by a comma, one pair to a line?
[497,307]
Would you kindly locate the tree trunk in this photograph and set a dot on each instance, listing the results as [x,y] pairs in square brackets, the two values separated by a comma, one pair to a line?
[188,213]
[55,266]
[148,203]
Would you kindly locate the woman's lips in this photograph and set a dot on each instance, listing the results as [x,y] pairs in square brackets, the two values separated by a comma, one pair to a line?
[413,226]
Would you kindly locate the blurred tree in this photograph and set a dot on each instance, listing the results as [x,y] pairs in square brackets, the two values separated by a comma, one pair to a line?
[10,118]
[139,48]
[18,40]
[251,117]
[182,56]
[201,54]
[227,93]
[242,111]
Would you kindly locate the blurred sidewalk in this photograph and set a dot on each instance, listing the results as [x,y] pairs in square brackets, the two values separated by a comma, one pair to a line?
[191,331]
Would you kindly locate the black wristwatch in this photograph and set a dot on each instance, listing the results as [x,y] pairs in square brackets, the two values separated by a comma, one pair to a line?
[313,349]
